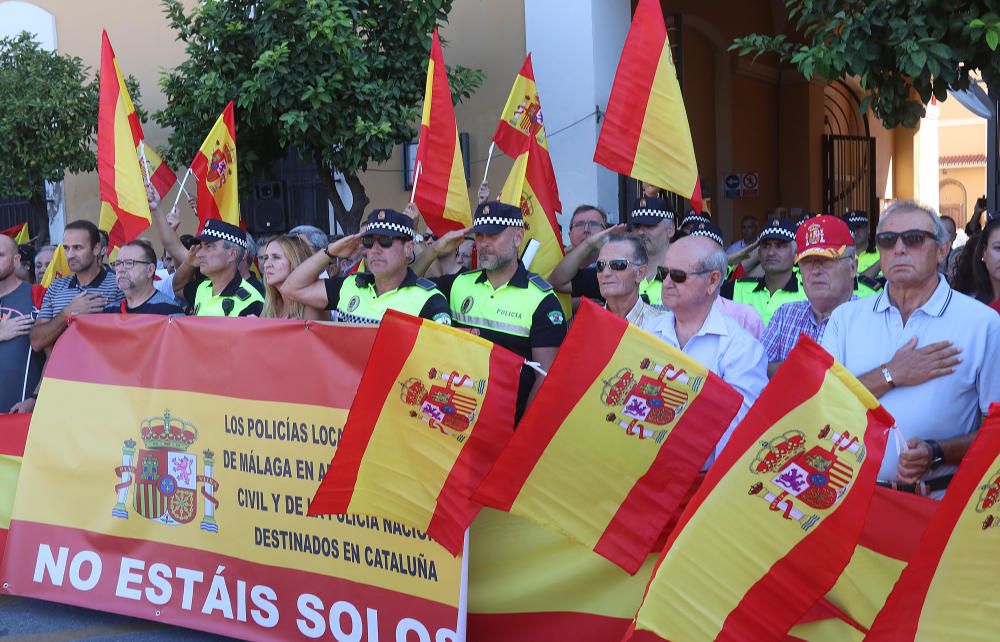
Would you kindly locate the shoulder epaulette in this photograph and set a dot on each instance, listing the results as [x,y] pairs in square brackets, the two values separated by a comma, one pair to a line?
[748,279]
[540,283]
[874,284]
[242,294]
[425,284]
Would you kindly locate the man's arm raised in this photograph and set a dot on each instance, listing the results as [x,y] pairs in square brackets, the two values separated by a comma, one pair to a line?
[562,276]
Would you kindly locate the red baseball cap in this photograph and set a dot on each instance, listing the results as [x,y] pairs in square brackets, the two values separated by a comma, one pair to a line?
[822,235]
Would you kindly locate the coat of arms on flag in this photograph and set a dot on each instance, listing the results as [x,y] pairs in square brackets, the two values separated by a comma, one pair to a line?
[220,165]
[656,396]
[815,476]
[166,476]
[989,498]
[451,407]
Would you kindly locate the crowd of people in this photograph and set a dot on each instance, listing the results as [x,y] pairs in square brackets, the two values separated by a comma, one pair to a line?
[903,309]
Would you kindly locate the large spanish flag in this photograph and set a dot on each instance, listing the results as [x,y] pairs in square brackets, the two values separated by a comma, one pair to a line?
[529,186]
[58,267]
[214,169]
[949,590]
[19,233]
[780,512]
[434,410]
[124,207]
[441,193]
[614,439]
[645,133]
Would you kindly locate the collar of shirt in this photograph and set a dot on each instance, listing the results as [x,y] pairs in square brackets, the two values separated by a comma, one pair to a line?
[96,281]
[519,280]
[231,287]
[935,306]
[665,325]
[791,286]
[367,279]
[640,312]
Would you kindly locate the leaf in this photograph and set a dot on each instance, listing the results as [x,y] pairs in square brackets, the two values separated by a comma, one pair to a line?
[992,39]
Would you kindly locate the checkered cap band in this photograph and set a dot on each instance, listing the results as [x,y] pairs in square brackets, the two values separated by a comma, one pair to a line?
[498,220]
[707,233]
[857,219]
[225,236]
[375,226]
[696,218]
[779,231]
[665,214]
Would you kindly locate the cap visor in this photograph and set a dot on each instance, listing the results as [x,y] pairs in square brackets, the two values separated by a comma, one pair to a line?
[488,228]
[828,252]
[647,220]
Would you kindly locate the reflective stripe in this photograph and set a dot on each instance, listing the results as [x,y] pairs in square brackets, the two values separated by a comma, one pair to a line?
[499,326]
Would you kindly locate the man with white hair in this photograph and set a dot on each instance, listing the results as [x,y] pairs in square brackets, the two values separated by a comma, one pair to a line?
[929,353]
[695,267]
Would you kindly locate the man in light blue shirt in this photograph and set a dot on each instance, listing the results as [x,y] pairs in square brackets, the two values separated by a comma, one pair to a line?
[694,269]
[930,354]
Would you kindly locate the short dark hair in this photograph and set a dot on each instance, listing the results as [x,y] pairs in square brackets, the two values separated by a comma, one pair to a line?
[105,239]
[587,208]
[90,228]
[27,253]
[147,249]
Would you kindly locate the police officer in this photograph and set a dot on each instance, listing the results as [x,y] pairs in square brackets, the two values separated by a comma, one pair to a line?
[780,283]
[502,301]
[220,291]
[652,220]
[387,283]
[867,255]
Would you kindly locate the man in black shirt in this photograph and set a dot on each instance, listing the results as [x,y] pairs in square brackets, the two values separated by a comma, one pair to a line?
[20,366]
[134,269]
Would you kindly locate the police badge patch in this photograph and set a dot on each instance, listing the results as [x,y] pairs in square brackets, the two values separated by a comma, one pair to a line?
[556,317]
[466,305]
[353,304]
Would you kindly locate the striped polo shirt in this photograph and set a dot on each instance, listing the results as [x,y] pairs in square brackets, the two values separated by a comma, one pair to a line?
[64,290]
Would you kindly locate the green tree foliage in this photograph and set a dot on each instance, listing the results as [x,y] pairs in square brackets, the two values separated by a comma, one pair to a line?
[340,81]
[902,51]
[48,120]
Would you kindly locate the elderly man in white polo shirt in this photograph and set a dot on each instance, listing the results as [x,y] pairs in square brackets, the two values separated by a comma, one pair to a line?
[930,354]
[694,267]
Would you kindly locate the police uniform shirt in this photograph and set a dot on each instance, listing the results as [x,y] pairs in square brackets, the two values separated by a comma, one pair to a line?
[585,283]
[753,291]
[520,315]
[243,299]
[356,301]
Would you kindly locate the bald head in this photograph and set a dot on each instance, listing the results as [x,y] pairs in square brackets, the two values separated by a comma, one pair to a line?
[696,266]
[699,253]
[9,244]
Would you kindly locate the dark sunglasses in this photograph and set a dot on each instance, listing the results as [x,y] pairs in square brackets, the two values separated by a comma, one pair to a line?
[680,276]
[616,265]
[383,241]
[911,238]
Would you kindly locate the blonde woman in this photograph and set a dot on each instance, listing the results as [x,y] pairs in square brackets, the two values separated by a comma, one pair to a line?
[282,255]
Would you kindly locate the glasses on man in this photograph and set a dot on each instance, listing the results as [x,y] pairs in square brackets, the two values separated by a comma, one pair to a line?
[587,225]
[616,265]
[680,276]
[383,241]
[912,239]
[128,264]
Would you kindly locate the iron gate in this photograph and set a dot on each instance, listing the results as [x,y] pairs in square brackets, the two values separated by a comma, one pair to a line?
[849,175]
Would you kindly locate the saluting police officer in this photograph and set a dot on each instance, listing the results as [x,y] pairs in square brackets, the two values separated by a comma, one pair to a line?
[652,220]
[502,301]
[220,291]
[387,283]
[780,283]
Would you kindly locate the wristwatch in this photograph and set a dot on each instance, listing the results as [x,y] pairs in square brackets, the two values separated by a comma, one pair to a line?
[937,455]
[327,252]
[888,376]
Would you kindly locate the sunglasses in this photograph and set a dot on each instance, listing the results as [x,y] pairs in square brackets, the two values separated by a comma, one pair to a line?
[616,265]
[680,276]
[383,241]
[911,239]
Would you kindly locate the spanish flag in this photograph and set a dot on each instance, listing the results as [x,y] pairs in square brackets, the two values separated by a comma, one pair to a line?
[780,512]
[124,207]
[520,121]
[949,590]
[214,169]
[13,436]
[18,232]
[441,193]
[528,186]
[58,267]
[160,176]
[434,409]
[614,439]
[645,133]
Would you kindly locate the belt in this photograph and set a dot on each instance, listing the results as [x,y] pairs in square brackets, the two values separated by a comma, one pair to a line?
[919,488]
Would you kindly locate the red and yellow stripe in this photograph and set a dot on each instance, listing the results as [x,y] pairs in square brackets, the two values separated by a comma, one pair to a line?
[645,133]
[57,269]
[738,568]
[441,193]
[948,590]
[124,207]
[214,169]
[13,435]
[621,489]
[19,233]
[391,461]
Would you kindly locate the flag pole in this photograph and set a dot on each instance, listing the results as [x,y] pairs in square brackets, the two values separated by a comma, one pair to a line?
[178,197]
[145,163]
[489,157]
[416,177]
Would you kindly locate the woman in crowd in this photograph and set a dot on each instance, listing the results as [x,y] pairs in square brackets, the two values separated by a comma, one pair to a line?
[986,265]
[282,255]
